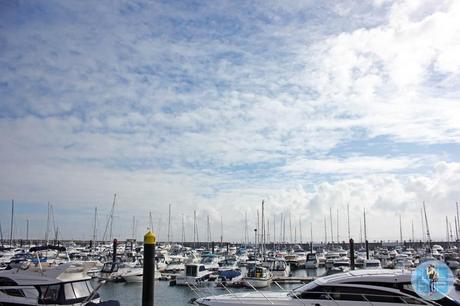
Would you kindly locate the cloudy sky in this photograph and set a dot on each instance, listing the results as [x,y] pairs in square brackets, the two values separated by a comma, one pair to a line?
[215,106]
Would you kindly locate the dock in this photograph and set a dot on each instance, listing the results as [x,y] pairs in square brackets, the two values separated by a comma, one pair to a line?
[293,279]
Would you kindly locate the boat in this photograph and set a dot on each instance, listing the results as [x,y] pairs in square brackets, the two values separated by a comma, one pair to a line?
[258,277]
[229,278]
[65,284]
[359,287]
[372,264]
[279,267]
[229,274]
[312,261]
[194,274]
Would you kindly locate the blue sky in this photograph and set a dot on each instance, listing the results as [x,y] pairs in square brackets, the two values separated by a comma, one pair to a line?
[214,106]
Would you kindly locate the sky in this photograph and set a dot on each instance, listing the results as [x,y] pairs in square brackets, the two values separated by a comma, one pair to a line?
[216,106]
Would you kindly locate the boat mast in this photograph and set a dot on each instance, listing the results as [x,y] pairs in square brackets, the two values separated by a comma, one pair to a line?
[400,230]
[134,228]
[361,229]
[300,231]
[194,229]
[12,223]
[95,225]
[183,230]
[447,231]
[338,240]
[413,233]
[263,229]
[325,231]
[311,232]
[427,227]
[111,217]
[27,231]
[456,227]
[348,220]
[47,225]
[423,224]
[365,226]
[274,231]
[221,231]
[332,226]
[290,227]
[1,234]
[169,224]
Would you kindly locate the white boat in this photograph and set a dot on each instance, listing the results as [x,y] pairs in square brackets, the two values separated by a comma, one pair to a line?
[372,264]
[194,274]
[134,275]
[359,287]
[312,261]
[279,267]
[66,284]
[258,277]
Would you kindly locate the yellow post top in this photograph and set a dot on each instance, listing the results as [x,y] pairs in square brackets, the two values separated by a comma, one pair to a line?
[150,238]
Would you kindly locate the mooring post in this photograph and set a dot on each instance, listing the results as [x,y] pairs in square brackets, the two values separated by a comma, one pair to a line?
[114,252]
[212,245]
[352,254]
[149,269]
[367,249]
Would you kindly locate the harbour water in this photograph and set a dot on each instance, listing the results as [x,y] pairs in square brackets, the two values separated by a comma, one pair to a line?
[131,293]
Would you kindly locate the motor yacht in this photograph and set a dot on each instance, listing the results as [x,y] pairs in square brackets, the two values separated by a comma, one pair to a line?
[66,284]
[359,287]
[194,274]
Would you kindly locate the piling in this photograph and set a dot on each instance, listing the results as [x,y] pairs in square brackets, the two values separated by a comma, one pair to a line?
[114,253]
[149,269]
[212,246]
[352,254]
[367,249]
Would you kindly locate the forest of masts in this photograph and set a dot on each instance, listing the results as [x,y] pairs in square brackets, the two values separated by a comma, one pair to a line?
[279,229]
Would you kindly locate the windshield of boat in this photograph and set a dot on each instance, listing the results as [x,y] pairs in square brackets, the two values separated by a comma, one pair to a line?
[307,287]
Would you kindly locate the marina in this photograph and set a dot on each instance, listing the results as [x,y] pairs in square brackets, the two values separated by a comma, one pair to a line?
[225,153]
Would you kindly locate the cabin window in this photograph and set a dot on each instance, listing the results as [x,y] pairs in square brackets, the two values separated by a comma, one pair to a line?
[80,289]
[191,271]
[49,293]
[13,292]
[202,268]
[68,292]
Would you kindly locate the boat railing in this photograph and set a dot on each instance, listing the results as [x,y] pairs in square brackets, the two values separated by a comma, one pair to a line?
[232,294]
[260,292]
[194,289]
[292,291]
